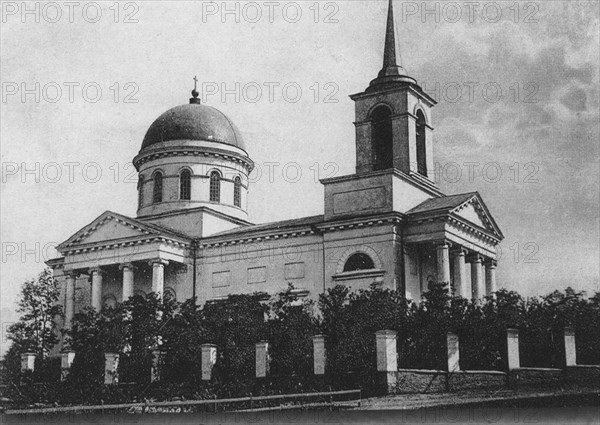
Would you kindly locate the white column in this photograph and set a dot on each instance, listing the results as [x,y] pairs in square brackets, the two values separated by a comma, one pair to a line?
[96,288]
[570,352]
[209,359]
[477,284]
[319,354]
[453,352]
[70,299]
[387,354]
[443,263]
[127,281]
[490,277]
[460,275]
[158,276]
[512,344]
[262,359]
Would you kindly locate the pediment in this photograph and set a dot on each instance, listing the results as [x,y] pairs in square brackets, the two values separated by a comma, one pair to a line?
[469,213]
[475,212]
[108,227]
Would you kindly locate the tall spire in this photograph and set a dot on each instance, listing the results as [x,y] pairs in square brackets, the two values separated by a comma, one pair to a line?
[389,52]
[391,71]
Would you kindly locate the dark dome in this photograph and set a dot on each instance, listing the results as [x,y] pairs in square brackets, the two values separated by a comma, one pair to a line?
[193,122]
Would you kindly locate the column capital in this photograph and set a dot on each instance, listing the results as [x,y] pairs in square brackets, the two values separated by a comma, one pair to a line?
[443,243]
[73,274]
[490,263]
[475,258]
[127,266]
[96,270]
[459,250]
[158,261]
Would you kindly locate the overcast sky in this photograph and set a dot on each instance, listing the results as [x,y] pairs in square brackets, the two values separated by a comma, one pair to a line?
[518,100]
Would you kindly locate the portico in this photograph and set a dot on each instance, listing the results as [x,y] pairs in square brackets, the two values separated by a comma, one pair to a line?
[142,260]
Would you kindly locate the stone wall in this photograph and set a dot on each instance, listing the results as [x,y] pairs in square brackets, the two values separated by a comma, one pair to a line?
[587,375]
[476,379]
[410,381]
[536,377]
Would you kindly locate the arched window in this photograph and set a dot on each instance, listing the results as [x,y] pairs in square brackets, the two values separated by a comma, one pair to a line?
[185,185]
[215,187]
[237,192]
[421,144]
[157,194]
[359,261]
[140,189]
[381,119]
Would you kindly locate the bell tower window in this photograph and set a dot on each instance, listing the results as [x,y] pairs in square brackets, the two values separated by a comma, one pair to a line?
[185,185]
[421,144]
[157,194]
[237,192]
[215,187]
[381,119]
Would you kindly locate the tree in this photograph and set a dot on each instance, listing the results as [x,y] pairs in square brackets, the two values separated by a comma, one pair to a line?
[36,330]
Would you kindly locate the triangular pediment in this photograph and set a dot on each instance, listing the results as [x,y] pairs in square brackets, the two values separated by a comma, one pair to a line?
[475,212]
[108,227]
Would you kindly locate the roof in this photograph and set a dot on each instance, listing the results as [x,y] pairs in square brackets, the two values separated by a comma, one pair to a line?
[452,205]
[444,203]
[193,122]
[149,227]
[276,225]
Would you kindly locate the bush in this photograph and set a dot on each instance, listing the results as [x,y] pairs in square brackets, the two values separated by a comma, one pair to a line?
[349,321]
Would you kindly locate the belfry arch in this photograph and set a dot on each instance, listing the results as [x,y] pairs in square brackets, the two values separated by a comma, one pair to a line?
[421,144]
[382,137]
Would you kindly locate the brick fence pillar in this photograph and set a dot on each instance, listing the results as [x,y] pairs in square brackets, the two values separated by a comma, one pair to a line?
[27,362]
[512,345]
[209,359]
[111,365]
[387,357]
[66,360]
[453,352]
[262,359]
[570,353]
[319,354]
[156,365]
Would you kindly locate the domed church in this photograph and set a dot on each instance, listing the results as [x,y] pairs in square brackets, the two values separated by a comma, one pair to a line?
[387,224]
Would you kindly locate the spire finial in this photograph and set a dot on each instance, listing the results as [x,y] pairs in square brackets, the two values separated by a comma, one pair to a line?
[195,93]
[392,71]
[389,53]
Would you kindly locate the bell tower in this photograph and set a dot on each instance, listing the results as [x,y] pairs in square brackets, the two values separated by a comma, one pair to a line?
[394,146]
[393,118]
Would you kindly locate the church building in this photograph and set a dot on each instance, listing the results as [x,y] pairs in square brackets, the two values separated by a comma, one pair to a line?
[388,223]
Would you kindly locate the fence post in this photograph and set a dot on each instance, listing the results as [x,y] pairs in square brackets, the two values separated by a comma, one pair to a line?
[156,365]
[319,354]
[209,359]
[262,359]
[453,352]
[66,360]
[111,365]
[27,362]
[512,345]
[387,357]
[570,352]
